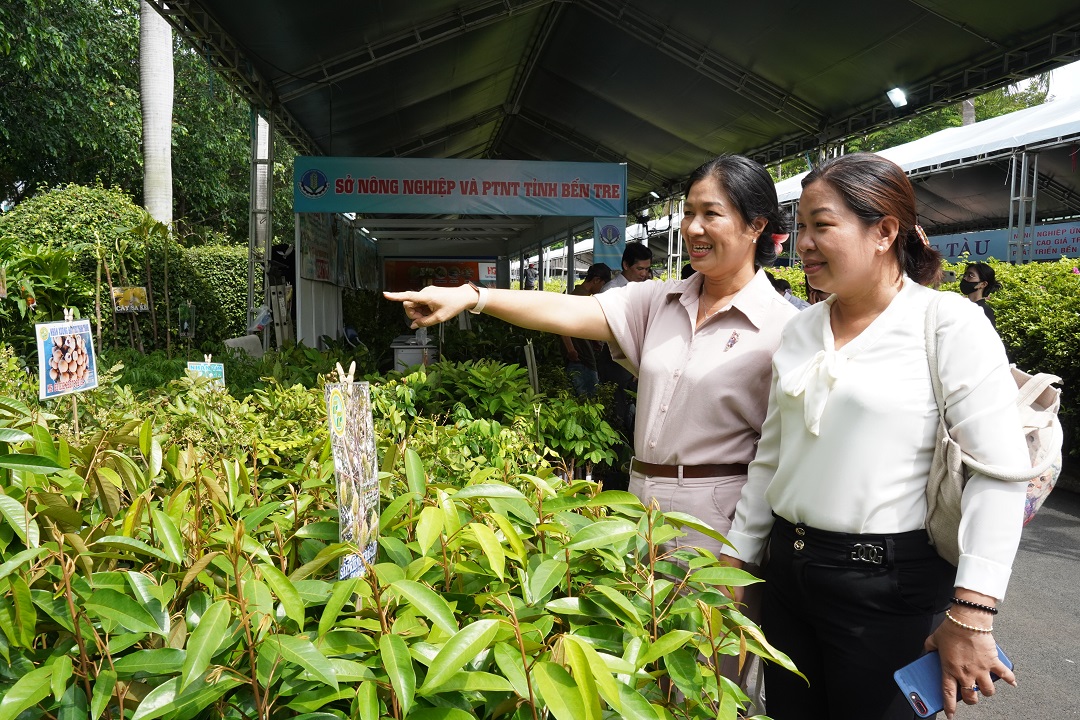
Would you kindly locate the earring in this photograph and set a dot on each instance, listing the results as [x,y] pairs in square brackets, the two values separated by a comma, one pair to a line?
[881,248]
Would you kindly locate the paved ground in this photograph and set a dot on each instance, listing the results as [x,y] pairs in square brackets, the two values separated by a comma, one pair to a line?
[1039,624]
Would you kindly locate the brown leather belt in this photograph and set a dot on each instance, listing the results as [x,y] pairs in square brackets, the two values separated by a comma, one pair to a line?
[688,471]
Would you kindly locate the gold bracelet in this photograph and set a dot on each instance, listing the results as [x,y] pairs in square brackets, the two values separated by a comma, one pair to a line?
[973,628]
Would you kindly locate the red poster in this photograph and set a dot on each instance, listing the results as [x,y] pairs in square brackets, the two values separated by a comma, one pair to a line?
[416,274]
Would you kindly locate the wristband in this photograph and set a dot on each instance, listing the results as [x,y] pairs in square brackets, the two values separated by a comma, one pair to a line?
[973,628]
[481,301]
[975,606]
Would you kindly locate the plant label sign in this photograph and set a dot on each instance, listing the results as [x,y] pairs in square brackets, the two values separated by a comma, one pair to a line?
[130,300]
[208,369]
[66,360]
[352,440]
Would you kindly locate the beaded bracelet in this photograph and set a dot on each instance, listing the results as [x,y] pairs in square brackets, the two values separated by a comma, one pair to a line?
[975,605]
[973,628]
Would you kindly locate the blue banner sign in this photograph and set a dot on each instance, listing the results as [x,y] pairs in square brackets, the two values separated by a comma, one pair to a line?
[609,241]
[420,186]
[1048,242]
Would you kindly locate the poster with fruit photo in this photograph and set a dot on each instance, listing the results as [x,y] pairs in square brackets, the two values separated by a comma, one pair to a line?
[66,360]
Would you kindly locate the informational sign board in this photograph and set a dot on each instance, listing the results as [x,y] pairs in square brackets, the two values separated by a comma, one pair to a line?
[185,316]
[609,241]
[352,441]
[130,300]
[66,360]
[208,369]
[1048,242]
[467,187]
[403,274]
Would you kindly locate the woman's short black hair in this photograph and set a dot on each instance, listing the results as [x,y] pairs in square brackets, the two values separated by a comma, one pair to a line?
[753,191]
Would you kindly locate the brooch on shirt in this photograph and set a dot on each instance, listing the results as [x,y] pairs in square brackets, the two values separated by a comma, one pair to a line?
[732,340]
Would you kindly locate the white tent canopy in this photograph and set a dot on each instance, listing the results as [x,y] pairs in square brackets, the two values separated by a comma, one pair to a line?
[961,174]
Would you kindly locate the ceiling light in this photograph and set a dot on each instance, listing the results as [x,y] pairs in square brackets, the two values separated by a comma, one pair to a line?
[654,194]
[363,229]
[897,97]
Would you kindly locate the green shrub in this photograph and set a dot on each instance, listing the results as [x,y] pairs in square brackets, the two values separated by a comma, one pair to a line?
[176,559]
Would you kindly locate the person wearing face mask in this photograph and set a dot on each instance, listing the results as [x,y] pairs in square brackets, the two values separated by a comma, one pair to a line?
[977,283]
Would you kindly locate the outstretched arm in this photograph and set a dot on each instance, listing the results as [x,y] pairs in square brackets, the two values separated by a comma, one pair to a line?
[574,315]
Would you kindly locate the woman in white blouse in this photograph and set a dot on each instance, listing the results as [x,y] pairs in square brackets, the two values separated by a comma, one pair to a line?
[837,488]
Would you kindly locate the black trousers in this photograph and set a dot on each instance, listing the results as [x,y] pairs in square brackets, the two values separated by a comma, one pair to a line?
[849,610]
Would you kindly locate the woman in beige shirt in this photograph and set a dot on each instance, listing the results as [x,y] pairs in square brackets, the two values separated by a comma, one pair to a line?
[701,347]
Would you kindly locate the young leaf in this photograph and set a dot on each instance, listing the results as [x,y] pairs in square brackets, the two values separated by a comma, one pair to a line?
[25,615]
[160,661]
[602,534]
[666,643]
[586,681]
[430,604]
[545,578]
[29,690]
[121,609]
[62,670]
[367,700]
[415,473]
[429,527]
[23,525]
[103,688]
[399,667]
[578,652]
[458,650]
[11,435]
[171,541]
[29,463]
[19,559]
[491,546]
[301,652]
[508,660]
[73,705]
[286,593]
[724,575]
[204,641]
[559,691]
[634,706]
[343,592]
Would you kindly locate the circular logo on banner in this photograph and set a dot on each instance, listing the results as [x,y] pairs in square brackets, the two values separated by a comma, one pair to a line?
[609,234]
[313,184]
[337,412]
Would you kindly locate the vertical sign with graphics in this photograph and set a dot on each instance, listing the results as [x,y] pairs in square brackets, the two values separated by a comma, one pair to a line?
[66,361]
[609,241]
[352,440]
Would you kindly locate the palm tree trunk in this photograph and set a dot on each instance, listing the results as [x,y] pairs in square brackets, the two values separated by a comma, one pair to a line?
[156,95]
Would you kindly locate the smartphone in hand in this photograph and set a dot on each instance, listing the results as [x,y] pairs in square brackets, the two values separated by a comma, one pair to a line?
[921,683]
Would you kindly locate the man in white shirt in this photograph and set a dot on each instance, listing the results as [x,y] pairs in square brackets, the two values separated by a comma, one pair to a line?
[636,266]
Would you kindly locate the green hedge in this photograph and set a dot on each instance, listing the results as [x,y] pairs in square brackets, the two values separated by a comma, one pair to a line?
[72,220]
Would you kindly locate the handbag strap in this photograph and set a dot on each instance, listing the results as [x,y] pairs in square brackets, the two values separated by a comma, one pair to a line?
[930,332]
[1037,382]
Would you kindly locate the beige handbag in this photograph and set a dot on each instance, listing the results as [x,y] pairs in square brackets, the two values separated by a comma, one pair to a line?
[1038,401]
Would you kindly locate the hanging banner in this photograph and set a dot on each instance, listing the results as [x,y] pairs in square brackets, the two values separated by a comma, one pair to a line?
[66,360]
[213,370]
[1048,242]
[403,274]
[609,241]
[352,441]
[467,187]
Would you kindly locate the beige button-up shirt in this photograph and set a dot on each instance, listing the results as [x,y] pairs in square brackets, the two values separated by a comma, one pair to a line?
[702,393]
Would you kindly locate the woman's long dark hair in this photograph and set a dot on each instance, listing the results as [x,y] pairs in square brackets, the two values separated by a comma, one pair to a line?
[873,188]
[753,191]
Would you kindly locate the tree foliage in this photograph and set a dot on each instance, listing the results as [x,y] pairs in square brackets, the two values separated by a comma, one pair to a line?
[69,113]
[997,102]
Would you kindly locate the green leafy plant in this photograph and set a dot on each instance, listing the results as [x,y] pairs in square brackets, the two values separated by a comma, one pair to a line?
[146,577]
